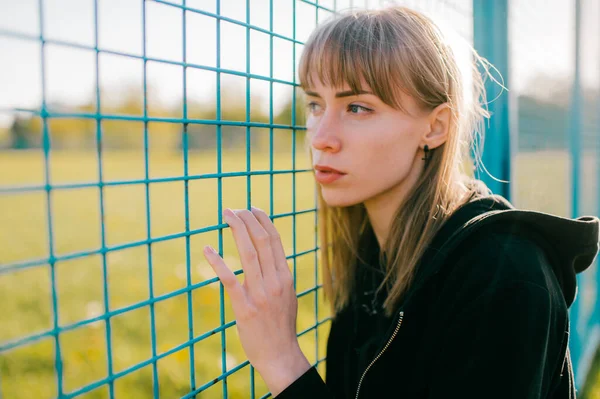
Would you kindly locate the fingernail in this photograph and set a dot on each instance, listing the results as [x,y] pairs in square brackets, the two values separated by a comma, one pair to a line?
[209,250]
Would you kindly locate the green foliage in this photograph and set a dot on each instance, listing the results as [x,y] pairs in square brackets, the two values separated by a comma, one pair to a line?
[591,388]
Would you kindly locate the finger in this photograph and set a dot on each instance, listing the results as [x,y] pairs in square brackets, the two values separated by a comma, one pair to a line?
[276,244]
[248,254]
[262,242]
[230,282]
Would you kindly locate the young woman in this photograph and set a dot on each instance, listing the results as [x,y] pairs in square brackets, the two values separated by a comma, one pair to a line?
[439,289]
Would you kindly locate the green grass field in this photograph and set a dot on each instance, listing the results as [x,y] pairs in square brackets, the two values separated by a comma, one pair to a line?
[25,295]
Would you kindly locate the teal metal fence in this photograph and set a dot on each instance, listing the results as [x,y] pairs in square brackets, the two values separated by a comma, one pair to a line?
[115,289]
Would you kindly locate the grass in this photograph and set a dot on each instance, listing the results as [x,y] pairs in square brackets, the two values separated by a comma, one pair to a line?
[26,295]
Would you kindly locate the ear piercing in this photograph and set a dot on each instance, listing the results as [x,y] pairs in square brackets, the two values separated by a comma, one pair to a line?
[427,153]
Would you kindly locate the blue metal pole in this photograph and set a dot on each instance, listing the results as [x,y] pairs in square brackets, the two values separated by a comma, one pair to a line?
[577,331]
[105,279]
[58,355]
[490,39]
[155,379]
[220,198]
[186,204]
[596,313]
[249,155]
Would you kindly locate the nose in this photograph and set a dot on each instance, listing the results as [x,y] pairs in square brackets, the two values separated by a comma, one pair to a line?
[324,133]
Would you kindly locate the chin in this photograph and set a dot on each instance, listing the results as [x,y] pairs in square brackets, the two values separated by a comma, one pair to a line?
[339,198]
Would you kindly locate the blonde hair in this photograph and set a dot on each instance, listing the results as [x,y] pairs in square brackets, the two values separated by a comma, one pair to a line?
[393,49]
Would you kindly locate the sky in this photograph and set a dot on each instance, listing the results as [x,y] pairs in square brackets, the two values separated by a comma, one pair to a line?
[541,43]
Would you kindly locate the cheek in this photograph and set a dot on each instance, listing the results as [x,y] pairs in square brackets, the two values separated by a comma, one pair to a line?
[389,159]
[389,163]
[310,123]
[390,150]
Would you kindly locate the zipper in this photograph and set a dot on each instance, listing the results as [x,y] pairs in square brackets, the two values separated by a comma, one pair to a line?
[486,217]
[380,353]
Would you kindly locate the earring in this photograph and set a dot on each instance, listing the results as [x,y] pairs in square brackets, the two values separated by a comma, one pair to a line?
[427,153]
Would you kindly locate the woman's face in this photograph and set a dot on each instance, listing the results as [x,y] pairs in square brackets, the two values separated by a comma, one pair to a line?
[375,145]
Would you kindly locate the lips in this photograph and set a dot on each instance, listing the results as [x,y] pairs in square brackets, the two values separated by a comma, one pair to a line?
[328,169]
[324,177]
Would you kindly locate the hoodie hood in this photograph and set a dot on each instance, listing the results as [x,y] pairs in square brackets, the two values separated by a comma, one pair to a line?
[570,244]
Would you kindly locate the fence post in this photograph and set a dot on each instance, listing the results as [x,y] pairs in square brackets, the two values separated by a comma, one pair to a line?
[578,331]
[490,39]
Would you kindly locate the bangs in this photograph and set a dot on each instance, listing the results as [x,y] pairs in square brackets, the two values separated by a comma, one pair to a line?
[354,50]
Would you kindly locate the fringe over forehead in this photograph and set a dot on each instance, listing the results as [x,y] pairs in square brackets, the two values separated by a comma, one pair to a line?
[392,50]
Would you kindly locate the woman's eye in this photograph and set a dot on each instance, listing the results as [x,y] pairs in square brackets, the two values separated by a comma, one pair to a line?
[313,107]
[356,109]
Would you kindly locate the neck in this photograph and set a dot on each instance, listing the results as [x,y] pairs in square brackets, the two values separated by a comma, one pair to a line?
[382,208]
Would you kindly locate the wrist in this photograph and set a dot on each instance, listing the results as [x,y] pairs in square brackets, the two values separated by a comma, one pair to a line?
[281,374]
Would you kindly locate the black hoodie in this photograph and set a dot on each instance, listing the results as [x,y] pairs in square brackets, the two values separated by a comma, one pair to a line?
[485,317]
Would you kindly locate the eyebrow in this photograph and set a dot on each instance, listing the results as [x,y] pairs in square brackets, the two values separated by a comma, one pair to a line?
[340,94]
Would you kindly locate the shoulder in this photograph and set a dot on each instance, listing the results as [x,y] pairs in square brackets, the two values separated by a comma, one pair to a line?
[502,274]
[494,261]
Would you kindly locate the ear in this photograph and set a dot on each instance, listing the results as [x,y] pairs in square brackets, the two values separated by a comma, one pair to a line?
[438,122]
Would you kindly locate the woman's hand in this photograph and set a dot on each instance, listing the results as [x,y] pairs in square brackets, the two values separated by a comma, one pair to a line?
[265,305]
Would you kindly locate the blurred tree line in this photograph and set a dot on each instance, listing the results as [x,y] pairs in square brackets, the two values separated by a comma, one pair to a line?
[121,127]
[543,122]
